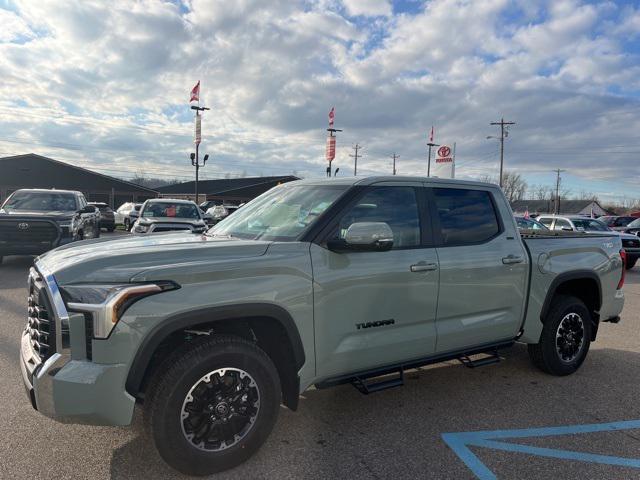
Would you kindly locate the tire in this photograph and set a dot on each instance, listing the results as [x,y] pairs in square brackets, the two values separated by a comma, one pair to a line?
[127,225]
[630,263]
[168,423]
[111,229]
[97,232]
[577,321]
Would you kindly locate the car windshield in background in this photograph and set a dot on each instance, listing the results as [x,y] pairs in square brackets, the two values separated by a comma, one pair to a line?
[41,202]
[589,225]
[170,210]
[634,224]
[282,213]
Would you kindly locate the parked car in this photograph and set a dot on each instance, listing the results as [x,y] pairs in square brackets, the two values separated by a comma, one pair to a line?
[529,224]
[220,212]
[633,227]
[316,282]
[107,216]
[618,223]
[127,214]
[209,204]
[165,215]
[631,243]
[33,221]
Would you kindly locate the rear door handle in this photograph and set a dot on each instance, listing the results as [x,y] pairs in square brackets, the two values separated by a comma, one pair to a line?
[424,267]
[511,259]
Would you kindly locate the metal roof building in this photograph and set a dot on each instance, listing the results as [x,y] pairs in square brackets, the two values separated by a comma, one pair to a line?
[228,190]
[567,207]
[36,171]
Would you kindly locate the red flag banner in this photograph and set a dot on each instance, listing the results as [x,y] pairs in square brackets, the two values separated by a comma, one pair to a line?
[195,93]
[198,138]
[332,116]
[331,148]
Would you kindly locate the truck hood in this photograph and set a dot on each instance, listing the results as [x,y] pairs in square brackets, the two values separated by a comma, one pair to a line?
[129,258]
[51,215]
[188,221]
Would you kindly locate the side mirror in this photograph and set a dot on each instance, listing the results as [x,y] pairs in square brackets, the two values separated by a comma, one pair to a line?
[364,237]
[88,209]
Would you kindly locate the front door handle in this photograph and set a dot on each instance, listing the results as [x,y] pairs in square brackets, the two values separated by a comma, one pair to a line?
[511,259]
[424,267]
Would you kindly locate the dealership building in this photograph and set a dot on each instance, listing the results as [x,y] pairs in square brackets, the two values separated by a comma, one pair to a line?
[230,191]
[36,171]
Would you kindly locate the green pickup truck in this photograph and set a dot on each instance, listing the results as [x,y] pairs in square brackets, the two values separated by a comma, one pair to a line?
[314,283]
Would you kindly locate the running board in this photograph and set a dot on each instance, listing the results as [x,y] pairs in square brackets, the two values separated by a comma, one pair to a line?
[491,357]
[366,388]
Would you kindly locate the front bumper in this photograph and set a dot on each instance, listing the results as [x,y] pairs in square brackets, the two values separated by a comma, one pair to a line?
[68,387]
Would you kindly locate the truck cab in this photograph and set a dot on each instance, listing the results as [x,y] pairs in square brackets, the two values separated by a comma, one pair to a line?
[314,283]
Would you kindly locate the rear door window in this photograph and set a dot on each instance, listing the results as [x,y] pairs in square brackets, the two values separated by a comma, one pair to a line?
[466,216]
[562,223]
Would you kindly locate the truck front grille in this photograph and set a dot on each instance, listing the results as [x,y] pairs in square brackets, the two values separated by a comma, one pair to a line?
[28,231]
[40,319]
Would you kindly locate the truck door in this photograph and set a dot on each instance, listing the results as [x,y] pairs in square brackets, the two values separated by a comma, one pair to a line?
[376,308]
[483,268]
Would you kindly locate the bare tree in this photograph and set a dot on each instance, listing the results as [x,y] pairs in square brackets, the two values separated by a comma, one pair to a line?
[513,186]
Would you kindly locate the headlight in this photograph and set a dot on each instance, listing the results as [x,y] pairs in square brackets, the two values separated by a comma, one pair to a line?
[141,227]
[107,303]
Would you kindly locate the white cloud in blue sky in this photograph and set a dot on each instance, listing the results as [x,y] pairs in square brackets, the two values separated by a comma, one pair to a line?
[105,84]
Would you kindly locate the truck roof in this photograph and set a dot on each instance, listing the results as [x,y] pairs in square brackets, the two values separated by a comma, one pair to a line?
[46,190]
[386,178]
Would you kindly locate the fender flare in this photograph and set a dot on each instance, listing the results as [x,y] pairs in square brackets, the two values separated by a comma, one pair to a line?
[181,321]
[563,278]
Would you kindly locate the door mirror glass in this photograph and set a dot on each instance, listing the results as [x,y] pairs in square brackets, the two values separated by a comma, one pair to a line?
[365,237]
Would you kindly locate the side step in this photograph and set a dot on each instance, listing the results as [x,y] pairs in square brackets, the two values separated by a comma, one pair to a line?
[366,388]
[491,357]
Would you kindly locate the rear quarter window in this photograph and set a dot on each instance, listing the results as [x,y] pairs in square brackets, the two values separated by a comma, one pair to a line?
[466,216]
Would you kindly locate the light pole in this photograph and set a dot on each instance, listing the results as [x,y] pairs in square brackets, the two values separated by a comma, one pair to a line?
[430,144]
[195,158]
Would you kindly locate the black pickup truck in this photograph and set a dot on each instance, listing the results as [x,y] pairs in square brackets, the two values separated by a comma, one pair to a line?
[34,221]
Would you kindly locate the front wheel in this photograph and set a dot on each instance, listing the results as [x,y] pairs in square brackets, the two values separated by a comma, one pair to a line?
[213,406]
[565,338]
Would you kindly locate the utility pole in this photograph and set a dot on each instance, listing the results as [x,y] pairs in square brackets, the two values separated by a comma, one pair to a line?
[558,172]
[394,156]
[356,147]
[195,158]
[502,124]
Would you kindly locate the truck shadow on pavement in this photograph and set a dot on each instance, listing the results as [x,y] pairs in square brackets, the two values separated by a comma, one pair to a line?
[339,433]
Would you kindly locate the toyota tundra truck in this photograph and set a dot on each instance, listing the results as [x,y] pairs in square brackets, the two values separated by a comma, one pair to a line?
[314,283]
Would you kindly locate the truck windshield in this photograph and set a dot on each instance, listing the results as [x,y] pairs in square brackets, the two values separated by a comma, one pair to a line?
[282,213]
[170,210]
[41,202]
[589,225]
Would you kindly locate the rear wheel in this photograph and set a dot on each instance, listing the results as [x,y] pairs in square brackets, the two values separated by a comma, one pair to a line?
[127,224]
[631,262]
[565,338]
[213,406]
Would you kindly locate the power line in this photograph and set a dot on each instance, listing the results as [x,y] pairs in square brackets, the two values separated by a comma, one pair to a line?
[355,157]
[394,156]
[502,124]
[558,171]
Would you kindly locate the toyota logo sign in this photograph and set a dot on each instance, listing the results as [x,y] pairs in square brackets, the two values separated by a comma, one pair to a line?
[23,226]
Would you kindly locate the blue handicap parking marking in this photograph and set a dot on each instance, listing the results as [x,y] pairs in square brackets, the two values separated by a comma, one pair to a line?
[493,439]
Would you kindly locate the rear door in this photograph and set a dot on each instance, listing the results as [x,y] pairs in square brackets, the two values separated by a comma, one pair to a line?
[376,308]
[483,268]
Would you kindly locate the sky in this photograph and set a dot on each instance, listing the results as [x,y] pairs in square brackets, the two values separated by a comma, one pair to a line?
[105,85]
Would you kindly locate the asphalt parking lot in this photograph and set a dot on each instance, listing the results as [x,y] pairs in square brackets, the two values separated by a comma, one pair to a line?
[398,433]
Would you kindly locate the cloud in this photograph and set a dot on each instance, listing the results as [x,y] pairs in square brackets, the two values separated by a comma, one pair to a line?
[368,8]
[107,85]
